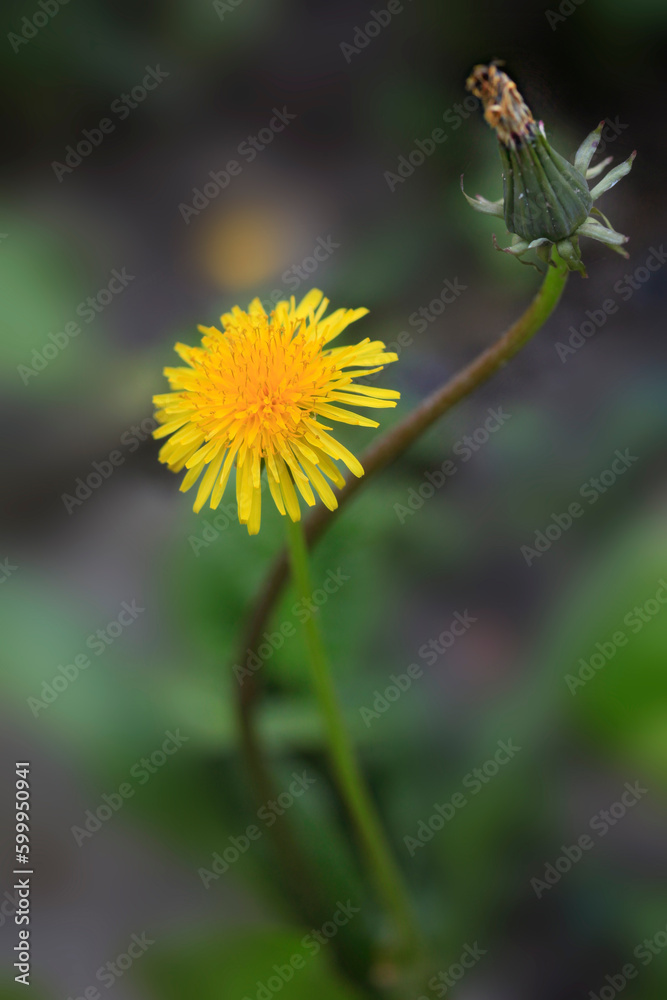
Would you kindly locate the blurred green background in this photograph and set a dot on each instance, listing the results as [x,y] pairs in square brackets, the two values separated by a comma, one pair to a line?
[71,563]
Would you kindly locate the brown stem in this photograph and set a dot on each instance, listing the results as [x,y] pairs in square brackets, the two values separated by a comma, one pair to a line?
[399,438]
[377,457]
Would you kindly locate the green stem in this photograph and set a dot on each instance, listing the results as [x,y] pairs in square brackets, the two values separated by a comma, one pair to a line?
[402,435]
[387,448]
[351,784]
[399,438]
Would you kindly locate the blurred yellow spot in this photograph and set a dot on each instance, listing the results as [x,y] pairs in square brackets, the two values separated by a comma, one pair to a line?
[246,246]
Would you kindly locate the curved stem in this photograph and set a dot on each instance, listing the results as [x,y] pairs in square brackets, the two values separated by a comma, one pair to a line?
[399,438]
[388,447]
[349,778]
[296,878]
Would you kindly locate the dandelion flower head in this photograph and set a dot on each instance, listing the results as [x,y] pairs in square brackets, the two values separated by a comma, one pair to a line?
[258,395]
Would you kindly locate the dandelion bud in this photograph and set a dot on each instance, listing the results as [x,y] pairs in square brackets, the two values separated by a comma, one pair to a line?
[546,200]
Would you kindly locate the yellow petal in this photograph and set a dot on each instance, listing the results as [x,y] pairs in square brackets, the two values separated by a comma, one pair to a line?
[191,477]
[344,416]
[276,493]
[219,487]
[308,302]
[336,450]
[255,512]
[244,488]
[289,493]
[320,484]
[208,481]
[355,400]
[166,429]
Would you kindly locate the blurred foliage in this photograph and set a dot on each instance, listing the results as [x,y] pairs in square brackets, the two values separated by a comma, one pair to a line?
[243,965]
[197,575]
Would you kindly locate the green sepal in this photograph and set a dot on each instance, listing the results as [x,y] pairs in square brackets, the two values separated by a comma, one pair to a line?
[545,196]
[586,151]
[569,250]
[481,204]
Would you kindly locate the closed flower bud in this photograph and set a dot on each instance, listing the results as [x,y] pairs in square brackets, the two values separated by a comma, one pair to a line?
[546,200]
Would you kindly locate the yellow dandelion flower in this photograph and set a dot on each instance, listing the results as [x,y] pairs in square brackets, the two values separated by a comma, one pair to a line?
[254,394]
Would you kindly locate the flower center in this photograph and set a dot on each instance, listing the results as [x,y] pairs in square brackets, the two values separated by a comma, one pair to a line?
[261,380]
